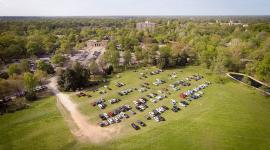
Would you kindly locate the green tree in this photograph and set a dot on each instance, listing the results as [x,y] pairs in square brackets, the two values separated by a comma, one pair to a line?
[30,82]
[164,60]
[40,76]
[127,58]
[263,69]
[74,78]
[93,67]
[13,69]
[58,59]
[24,65]
[46,67]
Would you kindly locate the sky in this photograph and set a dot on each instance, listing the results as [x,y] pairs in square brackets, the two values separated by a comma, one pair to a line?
[132,7]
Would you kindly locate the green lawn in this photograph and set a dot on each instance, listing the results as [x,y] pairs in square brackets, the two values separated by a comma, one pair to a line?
[39,127]
[228,116]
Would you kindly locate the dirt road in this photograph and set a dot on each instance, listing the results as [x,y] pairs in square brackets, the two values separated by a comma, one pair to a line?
[85,130]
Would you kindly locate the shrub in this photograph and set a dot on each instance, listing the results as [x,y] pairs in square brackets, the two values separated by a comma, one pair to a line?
[31,96]
[221,79]
[4,75]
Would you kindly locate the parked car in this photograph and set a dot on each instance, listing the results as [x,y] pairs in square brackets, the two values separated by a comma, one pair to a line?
[132,112]
[175,109]
[141,123]
[134,126]
[103,124]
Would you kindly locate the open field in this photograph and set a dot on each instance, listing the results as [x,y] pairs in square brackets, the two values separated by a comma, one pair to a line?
[39,127]
[228,116]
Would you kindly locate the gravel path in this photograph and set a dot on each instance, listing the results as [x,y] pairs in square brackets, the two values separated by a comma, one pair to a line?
[86,130]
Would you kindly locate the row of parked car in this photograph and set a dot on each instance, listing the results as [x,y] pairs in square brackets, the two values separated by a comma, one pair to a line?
[100,103]
[196,92]
[136,127]
[119,84]
[125,92]
[196,77]
[156,113]
[159,82]
[115,116]
[156,72]
[140,104]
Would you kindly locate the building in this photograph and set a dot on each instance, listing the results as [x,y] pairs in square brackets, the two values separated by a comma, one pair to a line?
[95,43]
[145,25]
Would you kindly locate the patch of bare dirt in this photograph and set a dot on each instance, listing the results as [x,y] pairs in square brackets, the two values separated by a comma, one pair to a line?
[85,130]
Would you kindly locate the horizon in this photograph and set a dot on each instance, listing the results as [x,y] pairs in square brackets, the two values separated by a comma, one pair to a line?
[134,8]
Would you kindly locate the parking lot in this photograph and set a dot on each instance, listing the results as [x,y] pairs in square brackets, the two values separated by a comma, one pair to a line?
[87,54]
[153,97]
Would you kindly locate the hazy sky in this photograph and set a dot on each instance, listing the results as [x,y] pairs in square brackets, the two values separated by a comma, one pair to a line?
[132,7]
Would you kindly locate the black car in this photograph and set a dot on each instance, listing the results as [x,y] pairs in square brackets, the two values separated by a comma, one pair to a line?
[148,117]
[132,112]
[138,108]
[184,102]
[134,126]
[165,107]
[141,123]
[101,116]
[175,109]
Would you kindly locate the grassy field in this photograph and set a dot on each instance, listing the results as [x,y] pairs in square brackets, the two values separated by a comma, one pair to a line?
[39,127]
[228,116]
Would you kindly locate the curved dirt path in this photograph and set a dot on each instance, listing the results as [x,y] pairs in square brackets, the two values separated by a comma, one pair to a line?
[85,130]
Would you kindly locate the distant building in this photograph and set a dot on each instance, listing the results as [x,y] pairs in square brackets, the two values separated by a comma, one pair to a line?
[145,25]
[95,43]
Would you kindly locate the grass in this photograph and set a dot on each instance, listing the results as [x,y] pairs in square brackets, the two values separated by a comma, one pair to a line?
[39,127]
[228,116]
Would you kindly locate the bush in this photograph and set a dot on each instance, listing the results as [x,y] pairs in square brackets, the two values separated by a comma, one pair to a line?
[74,78]
[221,79]
[4,75]
[46,67]
[31,96]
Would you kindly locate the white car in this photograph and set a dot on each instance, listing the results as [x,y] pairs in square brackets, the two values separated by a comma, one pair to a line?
[181,104]
[156,119]
[101,106]
[142,100]
[151,114]
[117,120]
[110,120]
[105,115]
[173,102]
[135,102]
[153,100]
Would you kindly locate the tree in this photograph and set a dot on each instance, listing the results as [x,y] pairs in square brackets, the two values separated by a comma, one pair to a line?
[46,67]
[164,61]
[58,59]
[35,45]
[138,54]
[4,75]
[40,76]
[24,65]
[112,57]
[109,70]
[30,82]
[93,67]
[13,69]
[263,69]
[127,58]
[75,78]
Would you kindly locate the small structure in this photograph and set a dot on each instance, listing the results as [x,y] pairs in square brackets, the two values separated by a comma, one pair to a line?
[145,25]
[95,43]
